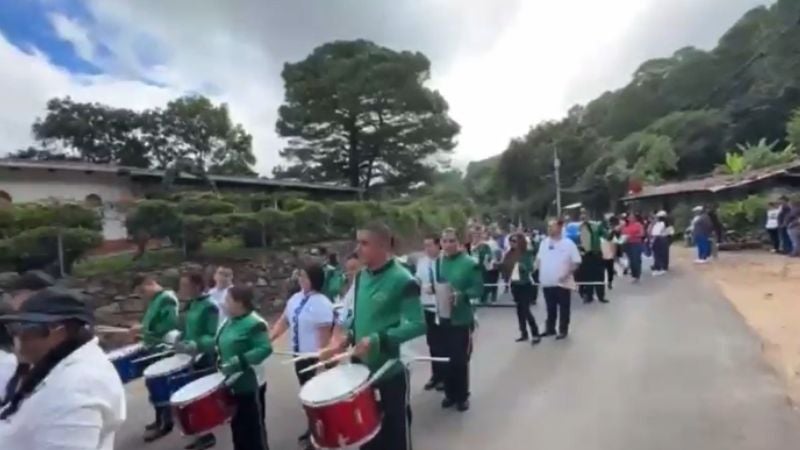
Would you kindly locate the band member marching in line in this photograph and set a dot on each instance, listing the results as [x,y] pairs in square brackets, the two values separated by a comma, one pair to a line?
[518,267]
[592,269]
[160,318]
[426,274]
[482,253]
[463,276]
[387,313]
[198,330]
[242,346]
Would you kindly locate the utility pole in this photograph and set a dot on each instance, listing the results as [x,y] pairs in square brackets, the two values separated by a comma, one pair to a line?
[556,165]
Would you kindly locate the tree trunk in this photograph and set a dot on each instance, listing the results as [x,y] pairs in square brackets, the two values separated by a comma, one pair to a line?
[353,159]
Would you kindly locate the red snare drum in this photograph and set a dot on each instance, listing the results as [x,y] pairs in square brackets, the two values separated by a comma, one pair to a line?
[203,404]
[341,407]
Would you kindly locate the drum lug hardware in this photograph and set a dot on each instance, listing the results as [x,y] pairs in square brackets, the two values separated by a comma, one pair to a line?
[377,395]
[320,428]
[359,419]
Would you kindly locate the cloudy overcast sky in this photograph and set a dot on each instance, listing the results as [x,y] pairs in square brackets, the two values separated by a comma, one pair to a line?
[502,64]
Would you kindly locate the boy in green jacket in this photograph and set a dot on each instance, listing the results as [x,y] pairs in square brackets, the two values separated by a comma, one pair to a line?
[160,318]
[386,313]
[464,276]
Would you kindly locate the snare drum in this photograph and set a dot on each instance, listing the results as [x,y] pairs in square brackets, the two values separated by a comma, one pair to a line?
[341,407]
[165,377]
[123,360]
[203,404]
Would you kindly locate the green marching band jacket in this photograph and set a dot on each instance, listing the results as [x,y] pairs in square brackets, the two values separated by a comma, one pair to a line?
[525,265]
[334,280]
[160,318]
[242,345]
[387,309]
[201,324]
[464,276]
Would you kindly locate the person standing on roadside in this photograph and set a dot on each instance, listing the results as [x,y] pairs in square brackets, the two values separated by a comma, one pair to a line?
[518,267]
[223,280]
[633,236]
[771,225]
[783,233]
[793,227]
[427,277]
[701,234]
[557,260]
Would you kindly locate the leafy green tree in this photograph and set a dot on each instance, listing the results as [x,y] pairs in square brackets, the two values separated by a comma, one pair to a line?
[361,113]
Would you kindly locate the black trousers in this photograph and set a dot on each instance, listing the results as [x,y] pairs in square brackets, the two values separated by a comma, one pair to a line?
[661,253]
[592,270]
[302,378]
[458,340]
[164,413]
[490,292]
[608,264]
[395,433]
[247,426]
[774,238]
[558,308]
[521,293]
[433,335]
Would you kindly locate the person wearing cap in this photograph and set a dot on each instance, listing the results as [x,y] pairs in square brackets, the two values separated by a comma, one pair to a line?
[72,398]
[660,233]
[242,346]
[198,330]
[160,318]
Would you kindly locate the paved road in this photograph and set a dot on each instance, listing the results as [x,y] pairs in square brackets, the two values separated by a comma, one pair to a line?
[667,365]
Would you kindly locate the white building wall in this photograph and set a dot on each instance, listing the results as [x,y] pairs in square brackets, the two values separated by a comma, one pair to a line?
[29,185]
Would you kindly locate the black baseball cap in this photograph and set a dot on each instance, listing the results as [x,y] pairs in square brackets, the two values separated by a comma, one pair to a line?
[51,305]
[32,280]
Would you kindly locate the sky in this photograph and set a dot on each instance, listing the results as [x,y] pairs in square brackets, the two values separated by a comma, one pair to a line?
[503,65]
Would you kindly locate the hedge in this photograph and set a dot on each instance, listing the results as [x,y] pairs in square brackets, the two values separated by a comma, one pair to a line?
[27,216]
[37,248]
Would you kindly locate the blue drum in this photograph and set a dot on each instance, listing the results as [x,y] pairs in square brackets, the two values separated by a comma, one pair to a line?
[165,377]
[124,360]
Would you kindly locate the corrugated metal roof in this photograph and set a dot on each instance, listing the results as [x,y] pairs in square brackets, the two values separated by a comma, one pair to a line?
[713,183]
[139,172]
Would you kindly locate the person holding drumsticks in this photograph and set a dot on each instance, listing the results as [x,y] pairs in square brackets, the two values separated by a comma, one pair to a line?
[464,276]
[387,312]
[242,345]
[198,330]
[159,319]
[309,318]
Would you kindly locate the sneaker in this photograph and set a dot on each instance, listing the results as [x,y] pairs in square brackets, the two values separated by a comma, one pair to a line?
[536,340]
[657,273]
[561,336]
[547,334]
[699,261]
[152,426]
[203,442]
[521,339]
[463,406]
[429,385]
[157,434]
[439,386]
[447,403]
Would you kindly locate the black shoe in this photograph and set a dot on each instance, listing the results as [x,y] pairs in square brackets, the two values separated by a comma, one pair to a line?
[304,437]
[536,340]
[202,443]
[547,334]
[587,300]
[439,386]
[447,403]
[604,300]
[561,336]
[610,287]
[152,426]
[521,339]
[463,406]
[157,434]
[430,384]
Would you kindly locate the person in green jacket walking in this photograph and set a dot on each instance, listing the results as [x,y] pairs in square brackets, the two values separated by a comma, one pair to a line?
[464,276]
[334,278]
[160,318]
[592,269]
[518,268]
[386,313]
[242,345]
[198,331]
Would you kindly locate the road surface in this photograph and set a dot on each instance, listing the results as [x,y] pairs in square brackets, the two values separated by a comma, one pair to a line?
[667,365]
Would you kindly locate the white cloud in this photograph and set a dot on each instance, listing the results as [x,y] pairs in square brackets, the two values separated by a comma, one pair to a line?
[72,32]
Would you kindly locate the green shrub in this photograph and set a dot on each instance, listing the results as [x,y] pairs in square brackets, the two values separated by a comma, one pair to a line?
[205,207]
[312,221]
[26,216]
[347,216]
[154,219]
[38,247]
[745,215]
[277,224]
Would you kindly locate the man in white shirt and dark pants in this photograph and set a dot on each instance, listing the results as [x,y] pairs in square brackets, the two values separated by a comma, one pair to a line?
[426,274]
[557,260]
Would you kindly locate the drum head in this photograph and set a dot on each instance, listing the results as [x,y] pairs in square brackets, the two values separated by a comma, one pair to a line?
[167,365]
[197,388]
[334,384]
[125,351]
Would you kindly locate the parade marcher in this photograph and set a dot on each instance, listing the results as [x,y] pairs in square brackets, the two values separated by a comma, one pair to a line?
[160,318]
[309,318]
[223,280]
[242,346]
[481,252]
[591,269]
[609,249]
[72,397]
[426,274]
[557,260]
[463,276]
[492,268]
[518,266]
[783,231]
[333,276]
[633,238]
[347,293]
[387,313]
[197,332]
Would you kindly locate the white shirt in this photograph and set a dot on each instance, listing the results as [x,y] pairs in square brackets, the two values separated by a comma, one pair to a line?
[772,218]
[658,229]
[261,369]
[317,312]
[217,296]
[80,405]
[426,274]
[8,365]
[348,302]
[555,260]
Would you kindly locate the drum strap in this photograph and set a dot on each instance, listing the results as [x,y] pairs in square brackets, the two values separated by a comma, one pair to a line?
[296,322]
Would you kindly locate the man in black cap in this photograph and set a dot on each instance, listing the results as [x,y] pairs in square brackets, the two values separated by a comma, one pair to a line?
[27,284]
[52,332]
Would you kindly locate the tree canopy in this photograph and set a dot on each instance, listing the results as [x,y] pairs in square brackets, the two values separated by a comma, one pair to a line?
[360,113]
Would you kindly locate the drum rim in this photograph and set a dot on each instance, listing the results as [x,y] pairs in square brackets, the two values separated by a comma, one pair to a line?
[125,352]
[200,397]
[363,441]
[186,366]
[348,395]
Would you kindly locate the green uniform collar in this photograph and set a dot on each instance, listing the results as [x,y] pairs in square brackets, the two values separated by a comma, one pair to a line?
[382,268]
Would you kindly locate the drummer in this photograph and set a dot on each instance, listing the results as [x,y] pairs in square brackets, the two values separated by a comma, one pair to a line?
[242,346]
[159,319]
[464,276]
[426,274]
[309,319]
[198,330]
[387,313]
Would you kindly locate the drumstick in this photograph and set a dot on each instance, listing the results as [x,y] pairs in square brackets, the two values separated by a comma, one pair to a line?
[110,329]
[300,357]
[153,356]
[338,357]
